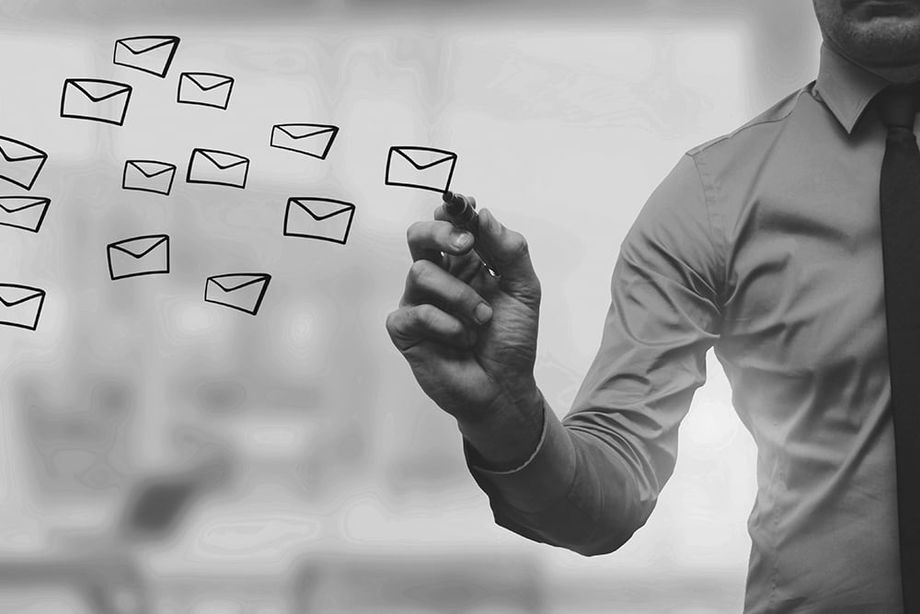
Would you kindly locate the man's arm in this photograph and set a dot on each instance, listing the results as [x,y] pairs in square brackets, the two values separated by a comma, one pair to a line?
[588,482]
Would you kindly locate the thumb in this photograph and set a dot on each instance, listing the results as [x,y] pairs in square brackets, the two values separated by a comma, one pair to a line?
[509,254]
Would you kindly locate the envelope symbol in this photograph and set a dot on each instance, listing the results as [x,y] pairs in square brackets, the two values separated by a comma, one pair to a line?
[20,163]
[217,168]
[205,88]
[318,218]
[96,100]
[148,176]
[146,255]
[151,54]
[241,291]
[420,167]
[20,306]
[25,212]
[310,139]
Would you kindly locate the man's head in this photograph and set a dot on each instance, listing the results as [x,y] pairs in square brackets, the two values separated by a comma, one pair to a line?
[882,35]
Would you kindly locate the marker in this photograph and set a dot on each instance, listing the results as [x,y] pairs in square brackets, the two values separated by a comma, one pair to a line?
[462,213]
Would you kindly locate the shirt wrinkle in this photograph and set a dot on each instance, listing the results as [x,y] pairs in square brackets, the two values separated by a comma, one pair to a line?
[763,244]
[717,231]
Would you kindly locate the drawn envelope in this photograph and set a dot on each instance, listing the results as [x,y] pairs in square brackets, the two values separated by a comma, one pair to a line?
[96,100]
[152,54]
[205,88]
[242,291]
[420,167]
[25,212]
[20,306]
[146,255]
[318,218]
[20,163]
[310,139]
[148,176]
[217,168]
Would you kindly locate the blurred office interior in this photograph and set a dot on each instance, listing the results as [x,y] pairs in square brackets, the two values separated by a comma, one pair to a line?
[163,454]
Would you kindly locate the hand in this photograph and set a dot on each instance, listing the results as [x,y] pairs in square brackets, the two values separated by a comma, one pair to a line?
[470,338]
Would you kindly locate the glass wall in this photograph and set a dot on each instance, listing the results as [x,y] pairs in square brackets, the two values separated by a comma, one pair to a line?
[165,449]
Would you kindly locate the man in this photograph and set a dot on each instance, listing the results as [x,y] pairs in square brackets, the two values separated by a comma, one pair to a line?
[766,244]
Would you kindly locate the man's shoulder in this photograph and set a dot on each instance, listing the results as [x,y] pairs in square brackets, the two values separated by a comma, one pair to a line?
[760,130]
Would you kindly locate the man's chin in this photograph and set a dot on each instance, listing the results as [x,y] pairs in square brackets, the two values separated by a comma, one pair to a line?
[883,42]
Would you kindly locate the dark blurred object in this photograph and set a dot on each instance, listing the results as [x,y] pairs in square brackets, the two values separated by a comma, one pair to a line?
[443,584]
[160,504]
[157,504]
[104,569]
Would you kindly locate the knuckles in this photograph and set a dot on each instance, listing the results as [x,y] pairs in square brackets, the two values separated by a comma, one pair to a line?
[419,272]
[414,232]
[516,245]
[424,315]
[409,321]
[393,323]
[425,234]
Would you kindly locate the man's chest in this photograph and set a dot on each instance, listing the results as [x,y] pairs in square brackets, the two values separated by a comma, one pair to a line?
[805,292]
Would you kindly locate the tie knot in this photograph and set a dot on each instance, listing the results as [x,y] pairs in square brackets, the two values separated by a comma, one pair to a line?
[898,104]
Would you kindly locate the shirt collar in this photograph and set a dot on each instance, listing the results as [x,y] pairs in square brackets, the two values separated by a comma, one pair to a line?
[846,88]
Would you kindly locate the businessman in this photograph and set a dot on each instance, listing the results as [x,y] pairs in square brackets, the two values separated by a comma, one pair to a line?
[791,246]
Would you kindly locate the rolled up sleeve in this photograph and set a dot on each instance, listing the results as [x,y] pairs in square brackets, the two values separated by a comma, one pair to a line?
[595,476]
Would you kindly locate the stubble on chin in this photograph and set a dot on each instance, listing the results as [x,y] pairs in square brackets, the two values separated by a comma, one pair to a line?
[880,42]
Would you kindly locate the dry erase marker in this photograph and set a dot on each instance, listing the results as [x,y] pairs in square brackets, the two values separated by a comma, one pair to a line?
[462,213]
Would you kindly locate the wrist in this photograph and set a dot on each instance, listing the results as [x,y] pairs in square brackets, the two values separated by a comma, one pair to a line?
[507,435]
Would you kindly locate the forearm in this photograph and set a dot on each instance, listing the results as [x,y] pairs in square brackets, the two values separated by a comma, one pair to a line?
[568,489]
[591,481]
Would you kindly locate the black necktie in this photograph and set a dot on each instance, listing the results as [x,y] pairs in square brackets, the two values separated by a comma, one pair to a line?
[900,216]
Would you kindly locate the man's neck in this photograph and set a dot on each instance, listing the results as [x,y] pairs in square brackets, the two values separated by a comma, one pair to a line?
[896,74]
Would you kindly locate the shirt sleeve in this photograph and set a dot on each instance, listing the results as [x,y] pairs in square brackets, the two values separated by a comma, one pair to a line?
[595,476]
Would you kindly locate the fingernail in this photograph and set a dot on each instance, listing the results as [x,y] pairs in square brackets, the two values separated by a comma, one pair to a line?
[483,313]
[461,240]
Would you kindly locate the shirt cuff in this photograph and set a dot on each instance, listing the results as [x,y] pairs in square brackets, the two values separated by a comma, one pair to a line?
[542,480]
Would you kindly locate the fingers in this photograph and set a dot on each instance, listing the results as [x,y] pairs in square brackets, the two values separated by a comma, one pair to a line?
[429,284]
[414,324]
[430,239]
[457,265]
[439,213]
[437,306]
[509,253]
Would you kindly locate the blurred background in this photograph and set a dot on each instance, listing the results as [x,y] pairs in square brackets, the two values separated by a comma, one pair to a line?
[163,454]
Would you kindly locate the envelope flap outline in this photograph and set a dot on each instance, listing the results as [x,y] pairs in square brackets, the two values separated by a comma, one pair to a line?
[12,295]
[236,281]
[322,208]
[142,44]
[7,202]
[206,80]
[98,90]
[151,168]
[229,160]
[424,157]
[302,131]
[139,247]
[12,150]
